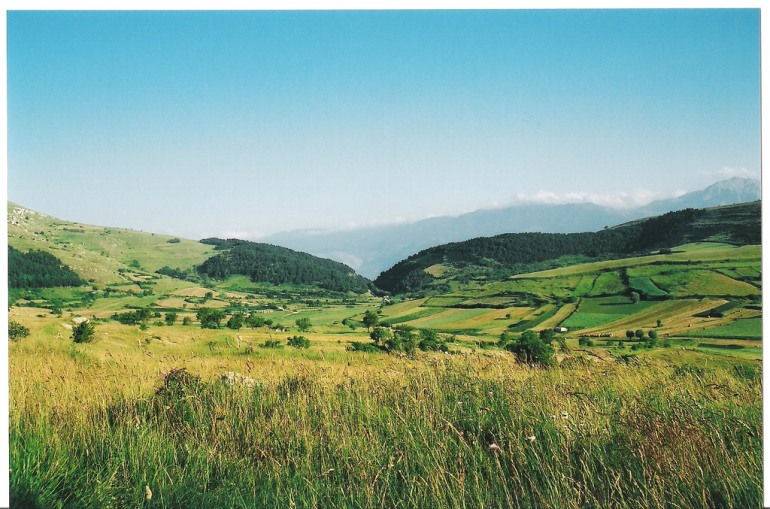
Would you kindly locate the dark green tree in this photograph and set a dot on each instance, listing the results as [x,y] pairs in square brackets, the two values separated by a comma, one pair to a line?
[210,318]
[254,321]
[639,334]
[547,335]
[370,319]
[298,342]
[529,348]
[379,335]
[630,334]
[403,340]
[236,321]
[170,318]
[83,332]
[303,324]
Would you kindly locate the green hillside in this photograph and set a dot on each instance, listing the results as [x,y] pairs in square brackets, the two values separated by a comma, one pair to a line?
[100,254]
[265,263]
[495,258]
[689,292]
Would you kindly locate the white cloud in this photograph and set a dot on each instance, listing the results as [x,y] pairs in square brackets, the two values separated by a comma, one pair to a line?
[240,235]
[729,172]
[618,200]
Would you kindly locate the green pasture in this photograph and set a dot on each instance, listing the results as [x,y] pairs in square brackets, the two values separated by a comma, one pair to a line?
[646,287]
[747,328]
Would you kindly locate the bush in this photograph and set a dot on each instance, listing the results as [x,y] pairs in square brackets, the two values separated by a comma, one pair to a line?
[16,331]
[298,342]
[531,349]
[379,335]
[431,342]
[403,340]
[585,341]
[271,343]
[357,346]
[83,332]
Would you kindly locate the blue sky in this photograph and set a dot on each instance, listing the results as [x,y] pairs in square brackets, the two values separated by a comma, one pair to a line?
[248,123]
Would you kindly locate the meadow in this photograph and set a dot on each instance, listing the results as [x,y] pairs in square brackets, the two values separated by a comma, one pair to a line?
[98,425]
[170,414]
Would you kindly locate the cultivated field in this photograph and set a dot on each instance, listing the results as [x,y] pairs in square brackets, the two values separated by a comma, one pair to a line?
[157,415]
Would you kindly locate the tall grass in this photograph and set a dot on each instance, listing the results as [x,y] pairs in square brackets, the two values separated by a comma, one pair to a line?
[414,434]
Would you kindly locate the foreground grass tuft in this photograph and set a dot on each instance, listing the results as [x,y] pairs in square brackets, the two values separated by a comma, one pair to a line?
[447,433]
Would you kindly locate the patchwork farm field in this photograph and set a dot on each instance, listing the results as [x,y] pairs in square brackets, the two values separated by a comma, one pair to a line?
[197,415]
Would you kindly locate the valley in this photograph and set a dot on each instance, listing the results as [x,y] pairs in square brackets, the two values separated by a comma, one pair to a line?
[287,395]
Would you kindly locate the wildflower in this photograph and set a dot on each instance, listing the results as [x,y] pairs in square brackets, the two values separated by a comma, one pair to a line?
[147,492]
[565,415]
[494,448]
[531,439]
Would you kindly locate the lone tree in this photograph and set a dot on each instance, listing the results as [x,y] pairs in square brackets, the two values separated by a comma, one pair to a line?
[236,321]
[83,332]
[170,318]
[379,335]
[370,319]
[303,324]
[531,349]
[630,334]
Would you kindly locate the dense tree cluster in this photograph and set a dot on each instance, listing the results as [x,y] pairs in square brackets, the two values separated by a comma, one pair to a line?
[278,265]
[512,252]
[38,269]
[175,273]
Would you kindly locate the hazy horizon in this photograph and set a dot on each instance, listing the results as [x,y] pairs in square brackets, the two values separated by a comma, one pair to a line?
[206,123]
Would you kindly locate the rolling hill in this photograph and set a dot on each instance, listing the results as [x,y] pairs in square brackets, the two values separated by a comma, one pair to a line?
[508,254]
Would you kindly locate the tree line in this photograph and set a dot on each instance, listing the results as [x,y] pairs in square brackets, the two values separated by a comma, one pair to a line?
[38,269]
[279,265]
[512,253]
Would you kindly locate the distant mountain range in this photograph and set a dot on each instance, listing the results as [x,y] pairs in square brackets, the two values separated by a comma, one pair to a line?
[370,251]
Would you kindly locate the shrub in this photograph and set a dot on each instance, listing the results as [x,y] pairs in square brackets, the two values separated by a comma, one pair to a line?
[271,343]
[379,335]
[403,340]
[83,332]
[585,341]
[16,331]
[358,346]
[298,342]
[431,342]
[531,349]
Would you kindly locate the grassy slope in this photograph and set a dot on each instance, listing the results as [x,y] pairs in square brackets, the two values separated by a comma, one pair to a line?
[97,252]
[340,429]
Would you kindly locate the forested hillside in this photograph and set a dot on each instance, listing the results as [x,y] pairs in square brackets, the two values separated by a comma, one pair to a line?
[515,253]
[38,269]
[278,265]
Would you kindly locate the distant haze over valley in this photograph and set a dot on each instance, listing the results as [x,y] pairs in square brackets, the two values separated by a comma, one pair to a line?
[372,250]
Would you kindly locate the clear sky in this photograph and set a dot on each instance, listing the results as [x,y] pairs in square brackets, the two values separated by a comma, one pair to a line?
[249,123]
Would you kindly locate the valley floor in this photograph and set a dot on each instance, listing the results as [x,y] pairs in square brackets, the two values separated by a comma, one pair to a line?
[131,420]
